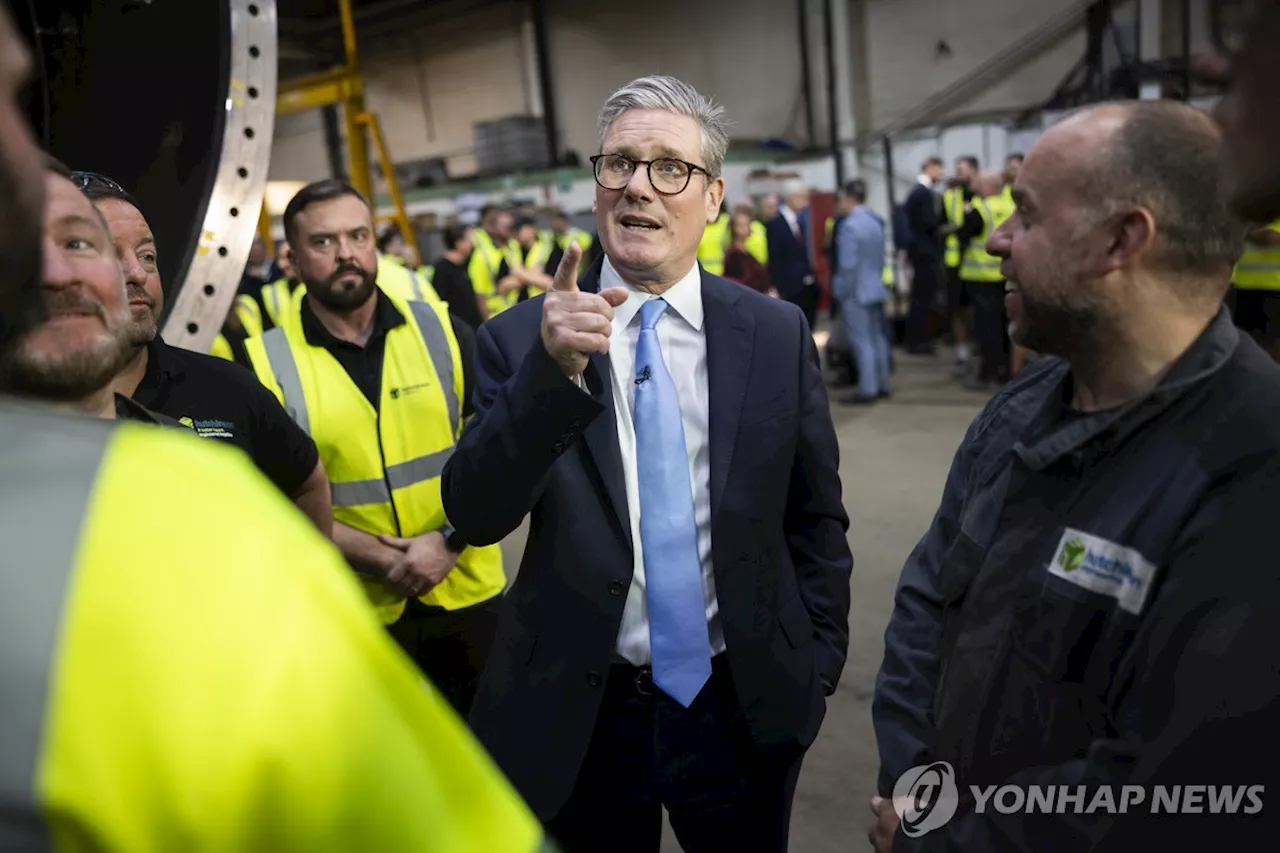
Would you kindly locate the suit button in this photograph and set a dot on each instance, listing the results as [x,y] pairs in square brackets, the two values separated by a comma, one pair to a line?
[593,678]
[617,588]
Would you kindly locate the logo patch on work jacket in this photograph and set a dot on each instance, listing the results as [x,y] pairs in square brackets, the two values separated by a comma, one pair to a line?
[1103,567]
[209,429]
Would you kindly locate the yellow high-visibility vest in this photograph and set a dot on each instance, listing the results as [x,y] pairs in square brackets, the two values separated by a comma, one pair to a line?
[574,235]
[384,465]
[714,242]
[484,266]
[396,278]
[757,244]
[275,297]
[1259,266]
[953,207]
[978,265]
[221,348]
[537,258]
[225,686]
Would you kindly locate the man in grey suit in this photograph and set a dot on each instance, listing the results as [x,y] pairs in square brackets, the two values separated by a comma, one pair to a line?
[859,285]
[681,610]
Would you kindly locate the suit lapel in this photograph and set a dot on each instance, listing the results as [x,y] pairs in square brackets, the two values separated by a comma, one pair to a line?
[601,440]
[601,437]
[730,336]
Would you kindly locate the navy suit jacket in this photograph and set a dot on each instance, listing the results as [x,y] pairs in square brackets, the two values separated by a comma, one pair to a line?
[539,445]
[788,257]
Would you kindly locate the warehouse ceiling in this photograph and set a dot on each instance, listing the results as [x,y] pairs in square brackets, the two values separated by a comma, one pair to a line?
[311,30]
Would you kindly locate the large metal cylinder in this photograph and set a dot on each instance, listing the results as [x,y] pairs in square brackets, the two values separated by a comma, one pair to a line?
[175,100]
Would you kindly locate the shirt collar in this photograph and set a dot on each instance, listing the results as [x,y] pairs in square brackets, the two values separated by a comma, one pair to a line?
[161,366]
[386,316]
[684,297]
[1204,358]
[131,410]
[924,181]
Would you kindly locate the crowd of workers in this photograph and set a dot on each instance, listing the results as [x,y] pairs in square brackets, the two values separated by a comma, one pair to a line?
[187,660]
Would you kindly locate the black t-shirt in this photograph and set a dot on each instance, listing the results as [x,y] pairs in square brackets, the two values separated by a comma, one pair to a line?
[222,401]
[453,284]
[364,363]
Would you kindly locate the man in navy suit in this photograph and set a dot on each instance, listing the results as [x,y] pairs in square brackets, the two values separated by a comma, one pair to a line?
[790,262]
[681,611]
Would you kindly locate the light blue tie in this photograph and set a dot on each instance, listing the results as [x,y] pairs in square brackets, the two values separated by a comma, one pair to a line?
[678,638]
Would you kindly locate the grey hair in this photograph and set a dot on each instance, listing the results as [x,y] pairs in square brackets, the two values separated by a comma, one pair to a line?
[659,92]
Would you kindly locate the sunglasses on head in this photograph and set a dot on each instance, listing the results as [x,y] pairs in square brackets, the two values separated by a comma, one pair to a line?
[92,180]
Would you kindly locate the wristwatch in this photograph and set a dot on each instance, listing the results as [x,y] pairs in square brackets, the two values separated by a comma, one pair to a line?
[453,539]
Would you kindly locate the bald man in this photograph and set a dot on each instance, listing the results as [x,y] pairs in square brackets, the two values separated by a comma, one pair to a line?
[1212,664]
[1077,492]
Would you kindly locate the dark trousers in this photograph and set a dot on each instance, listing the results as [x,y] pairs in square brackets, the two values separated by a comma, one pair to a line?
[924,299]
[991,328]
[647,751]
[449,646]
[807,300]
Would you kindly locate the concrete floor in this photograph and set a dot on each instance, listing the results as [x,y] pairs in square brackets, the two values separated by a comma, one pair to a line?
[894,458]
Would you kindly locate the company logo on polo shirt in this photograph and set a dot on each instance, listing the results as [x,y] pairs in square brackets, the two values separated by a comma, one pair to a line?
[1104,567]
[209,428]
[397,393]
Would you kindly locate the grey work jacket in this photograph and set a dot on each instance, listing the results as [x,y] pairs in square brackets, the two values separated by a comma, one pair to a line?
[1016,609]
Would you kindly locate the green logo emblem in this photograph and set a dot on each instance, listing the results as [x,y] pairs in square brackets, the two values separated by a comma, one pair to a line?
[1072,556]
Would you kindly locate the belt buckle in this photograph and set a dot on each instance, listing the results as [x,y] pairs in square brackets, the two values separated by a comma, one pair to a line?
[644,681]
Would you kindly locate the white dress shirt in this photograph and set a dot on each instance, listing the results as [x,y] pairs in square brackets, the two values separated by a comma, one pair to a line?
[684,349]
[793,221]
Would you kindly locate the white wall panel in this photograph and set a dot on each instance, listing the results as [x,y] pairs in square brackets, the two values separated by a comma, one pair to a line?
[297,149]
[744,53]
[429,87]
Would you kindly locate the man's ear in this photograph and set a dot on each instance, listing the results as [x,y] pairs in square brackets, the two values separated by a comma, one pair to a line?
[714,197]
[1131,237]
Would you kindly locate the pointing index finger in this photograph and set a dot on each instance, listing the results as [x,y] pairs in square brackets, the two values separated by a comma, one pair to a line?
[566,279]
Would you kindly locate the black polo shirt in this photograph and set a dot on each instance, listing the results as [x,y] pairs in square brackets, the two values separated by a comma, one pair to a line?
[131,410]
[364,363]
[222,401]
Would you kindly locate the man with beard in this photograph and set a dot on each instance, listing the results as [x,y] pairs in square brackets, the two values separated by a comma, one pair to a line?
[1213,651]
[1078,493]
[170,626]
[69,358]
[382,383]
[208,396]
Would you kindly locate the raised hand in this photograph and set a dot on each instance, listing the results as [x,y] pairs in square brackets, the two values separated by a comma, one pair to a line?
[576,324]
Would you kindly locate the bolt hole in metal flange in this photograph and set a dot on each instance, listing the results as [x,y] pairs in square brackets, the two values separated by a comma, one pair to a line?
[189,161]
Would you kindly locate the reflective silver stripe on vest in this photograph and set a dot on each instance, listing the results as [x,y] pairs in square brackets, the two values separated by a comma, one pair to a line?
[285,370]
[48,464]
[1244,266]
[415,285]
[359,493]
[441,355]
[418,470]
[403,474]
[399,476]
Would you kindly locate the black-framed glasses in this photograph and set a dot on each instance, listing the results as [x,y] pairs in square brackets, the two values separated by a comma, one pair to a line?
[667,175]
[86,181]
